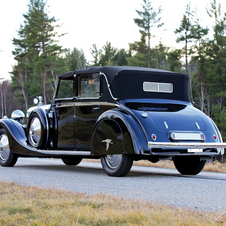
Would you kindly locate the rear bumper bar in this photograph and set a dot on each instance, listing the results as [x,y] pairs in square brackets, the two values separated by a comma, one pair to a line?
[187,145]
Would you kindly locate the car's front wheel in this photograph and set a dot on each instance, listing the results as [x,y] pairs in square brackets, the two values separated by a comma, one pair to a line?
[117,165]
[72,161]
[7,157]
[189,165]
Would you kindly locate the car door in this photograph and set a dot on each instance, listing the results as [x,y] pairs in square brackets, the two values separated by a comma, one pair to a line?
[65,112]
[87,109]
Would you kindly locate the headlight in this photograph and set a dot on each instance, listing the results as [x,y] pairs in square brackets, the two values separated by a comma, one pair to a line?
[18,115]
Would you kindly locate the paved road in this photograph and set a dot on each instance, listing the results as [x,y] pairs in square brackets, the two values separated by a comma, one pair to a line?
[206,191]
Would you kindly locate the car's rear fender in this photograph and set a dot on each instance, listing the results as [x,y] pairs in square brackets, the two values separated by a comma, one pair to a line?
[117,132]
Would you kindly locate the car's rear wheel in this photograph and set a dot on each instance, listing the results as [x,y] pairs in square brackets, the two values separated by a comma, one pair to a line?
[72,161]
[117,165]
[7,157]
[189,165]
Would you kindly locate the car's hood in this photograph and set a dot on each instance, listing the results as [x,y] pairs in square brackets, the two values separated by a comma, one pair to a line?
[180,119]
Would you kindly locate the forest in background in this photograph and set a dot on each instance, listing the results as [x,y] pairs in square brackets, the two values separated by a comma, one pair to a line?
[40,60]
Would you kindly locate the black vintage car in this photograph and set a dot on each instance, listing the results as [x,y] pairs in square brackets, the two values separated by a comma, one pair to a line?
[117,114]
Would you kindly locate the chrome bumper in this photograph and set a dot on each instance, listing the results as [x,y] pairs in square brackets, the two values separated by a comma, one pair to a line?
[187,145]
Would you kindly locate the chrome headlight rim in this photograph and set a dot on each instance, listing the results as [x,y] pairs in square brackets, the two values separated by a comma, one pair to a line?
[18,115]
[35,132]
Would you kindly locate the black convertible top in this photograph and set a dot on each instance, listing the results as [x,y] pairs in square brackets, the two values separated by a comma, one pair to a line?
[127,82]
[110,71]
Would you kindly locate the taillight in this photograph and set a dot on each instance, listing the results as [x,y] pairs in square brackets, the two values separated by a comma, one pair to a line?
[154,137]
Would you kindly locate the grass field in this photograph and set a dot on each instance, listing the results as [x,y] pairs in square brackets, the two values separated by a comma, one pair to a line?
[20,205]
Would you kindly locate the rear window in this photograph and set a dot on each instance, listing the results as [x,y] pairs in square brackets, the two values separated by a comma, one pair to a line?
[158,87]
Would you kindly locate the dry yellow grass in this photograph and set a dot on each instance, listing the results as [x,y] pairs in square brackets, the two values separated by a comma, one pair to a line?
[20,205]
[211,167]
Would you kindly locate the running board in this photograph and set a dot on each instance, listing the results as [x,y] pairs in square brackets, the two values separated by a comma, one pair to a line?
[59,153]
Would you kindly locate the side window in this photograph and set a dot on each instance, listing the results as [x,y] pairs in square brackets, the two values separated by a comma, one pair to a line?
[89,86]
[65,89]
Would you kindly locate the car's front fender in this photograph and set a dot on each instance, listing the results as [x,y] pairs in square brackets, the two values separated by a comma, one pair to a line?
[117,132]
[16,134]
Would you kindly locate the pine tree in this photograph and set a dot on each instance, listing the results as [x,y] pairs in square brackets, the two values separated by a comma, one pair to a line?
[95,54]
[107,55]
[216,52]
[110,56]
[216,56]
[76,59]
[201,84]
[141,49]
[174,60]
[185,33]
[20,71]
[36,52]
[149,18]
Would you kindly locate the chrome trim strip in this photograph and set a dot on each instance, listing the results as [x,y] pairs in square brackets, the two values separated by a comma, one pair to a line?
[108,85]
[176,153]
[166,125]
[197,125]
[71,104]
[64,99]
[94,103]
[63,152]
[185,145]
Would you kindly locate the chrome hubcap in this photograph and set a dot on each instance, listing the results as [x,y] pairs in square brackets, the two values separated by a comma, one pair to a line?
[4,147]
[113,161]
[35,131]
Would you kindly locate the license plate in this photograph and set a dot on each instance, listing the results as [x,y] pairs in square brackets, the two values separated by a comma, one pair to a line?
[195,150]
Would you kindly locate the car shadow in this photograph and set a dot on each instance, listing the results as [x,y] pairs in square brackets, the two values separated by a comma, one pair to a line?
[89,170]
[95,170]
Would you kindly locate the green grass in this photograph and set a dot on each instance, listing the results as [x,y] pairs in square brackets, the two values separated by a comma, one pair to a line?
[21,205]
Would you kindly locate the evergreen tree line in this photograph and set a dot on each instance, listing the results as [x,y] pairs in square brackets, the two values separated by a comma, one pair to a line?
[40,59]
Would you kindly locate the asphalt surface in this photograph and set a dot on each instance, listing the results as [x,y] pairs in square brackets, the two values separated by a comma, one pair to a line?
[205,191]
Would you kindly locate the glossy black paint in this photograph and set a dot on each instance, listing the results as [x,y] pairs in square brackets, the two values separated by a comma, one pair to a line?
[65,112]
[124,132]
[113,123]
